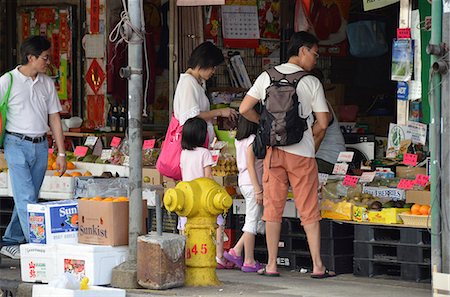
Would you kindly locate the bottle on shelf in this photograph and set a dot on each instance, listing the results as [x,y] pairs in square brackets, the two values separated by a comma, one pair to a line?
[122,119]
[114,119]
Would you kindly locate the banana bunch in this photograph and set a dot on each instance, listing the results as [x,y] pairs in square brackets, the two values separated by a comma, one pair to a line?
[226,165]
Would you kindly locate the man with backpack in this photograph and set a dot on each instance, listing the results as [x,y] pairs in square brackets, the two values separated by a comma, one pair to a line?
[289,134]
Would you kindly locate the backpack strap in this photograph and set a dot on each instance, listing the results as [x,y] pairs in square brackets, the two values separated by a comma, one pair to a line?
[6,97]
[292,78]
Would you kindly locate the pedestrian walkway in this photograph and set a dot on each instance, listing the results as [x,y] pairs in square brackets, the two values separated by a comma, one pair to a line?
[237,283]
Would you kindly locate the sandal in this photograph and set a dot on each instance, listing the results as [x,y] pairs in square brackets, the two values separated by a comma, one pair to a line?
[327,273]
[252,268]
[224,264]
[234,258]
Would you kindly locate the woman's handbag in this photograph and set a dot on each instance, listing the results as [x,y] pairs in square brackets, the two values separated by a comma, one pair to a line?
[4,111]
[168,163]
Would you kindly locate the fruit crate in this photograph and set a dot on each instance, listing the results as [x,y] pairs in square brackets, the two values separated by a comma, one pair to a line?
[416,220]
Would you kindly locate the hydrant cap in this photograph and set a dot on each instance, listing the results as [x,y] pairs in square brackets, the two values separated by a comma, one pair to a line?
[174,200]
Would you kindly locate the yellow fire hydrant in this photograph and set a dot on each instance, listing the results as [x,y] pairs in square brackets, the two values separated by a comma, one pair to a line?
[201,201]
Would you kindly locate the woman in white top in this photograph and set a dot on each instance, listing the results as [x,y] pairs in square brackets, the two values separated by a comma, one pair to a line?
[190,95]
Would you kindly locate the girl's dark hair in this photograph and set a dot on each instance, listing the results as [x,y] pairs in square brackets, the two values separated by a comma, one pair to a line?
[299,39]
[245,127]
[194,133]
[33,45]
[206,55]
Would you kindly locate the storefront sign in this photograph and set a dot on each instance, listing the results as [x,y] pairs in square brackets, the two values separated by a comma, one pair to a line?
[375,4]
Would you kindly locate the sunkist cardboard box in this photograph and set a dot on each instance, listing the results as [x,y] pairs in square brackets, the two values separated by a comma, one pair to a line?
[104,223]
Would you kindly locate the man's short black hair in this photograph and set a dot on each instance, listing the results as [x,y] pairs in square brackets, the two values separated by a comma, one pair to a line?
[299,39]
[33,45]
[194,133]
[206,55]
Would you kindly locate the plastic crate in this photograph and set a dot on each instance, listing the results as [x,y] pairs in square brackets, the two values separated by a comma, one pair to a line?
[384,269]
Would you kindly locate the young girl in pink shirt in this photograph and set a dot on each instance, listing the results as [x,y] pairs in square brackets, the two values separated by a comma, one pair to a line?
[195,162]
[250,184]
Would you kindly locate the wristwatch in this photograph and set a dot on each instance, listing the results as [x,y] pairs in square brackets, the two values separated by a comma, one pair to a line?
[61,154]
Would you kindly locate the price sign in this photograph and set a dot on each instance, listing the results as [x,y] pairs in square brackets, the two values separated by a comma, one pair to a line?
[106,154]
[80,151]
[350,181]
[91,141]
[367,177]
[345,157]
[215,154]
[50,151]
[410,159]
[422,180]
[115,141]
[340,168]
[406,184]
[323,177]
[149,144]
[403,33]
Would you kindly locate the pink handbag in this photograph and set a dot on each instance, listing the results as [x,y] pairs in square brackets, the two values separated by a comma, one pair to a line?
[168,163]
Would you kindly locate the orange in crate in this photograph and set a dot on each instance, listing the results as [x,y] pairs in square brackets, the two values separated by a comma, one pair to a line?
[424,210]
[415,209]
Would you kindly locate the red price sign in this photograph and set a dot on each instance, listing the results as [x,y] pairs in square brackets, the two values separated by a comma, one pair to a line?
[406,184]
[80,151]
[422,180]
[149,144]
[50,151]
[403,33]
[410,159]
[115,141]
[350,181]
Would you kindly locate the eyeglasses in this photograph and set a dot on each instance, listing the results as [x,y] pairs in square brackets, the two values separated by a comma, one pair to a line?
[316,54]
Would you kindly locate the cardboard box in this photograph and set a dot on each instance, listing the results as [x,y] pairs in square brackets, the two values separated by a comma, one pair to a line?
[168,183]
[38,262]
[53,222]
[104,223]
[152,176]
[336,210]
[3,163]
[228,180]
[420,197]
[387,215]
[409,172]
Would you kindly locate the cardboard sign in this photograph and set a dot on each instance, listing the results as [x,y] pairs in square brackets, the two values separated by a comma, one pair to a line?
[410,159]
[91,141]
[345,157]
[340,168]
[115,141]
[406,184]
[422,180]
[149,144]
[350,181]
[367,177]
[106,154]
[80,151]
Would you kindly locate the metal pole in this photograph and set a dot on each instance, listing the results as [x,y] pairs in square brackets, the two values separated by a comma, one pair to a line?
[135,97]
[435,140]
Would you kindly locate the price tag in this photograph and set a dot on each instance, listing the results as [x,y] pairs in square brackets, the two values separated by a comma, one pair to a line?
[215,154]
[422,180]
[106,155]
[115,141]
[126,161]
[345,157]
[340,168]
[50,151]
[410,159]
[406,184]
[323,177]
[149,144]
[367,177]
[91,141]
[350,181]
[403,33]
[80,151]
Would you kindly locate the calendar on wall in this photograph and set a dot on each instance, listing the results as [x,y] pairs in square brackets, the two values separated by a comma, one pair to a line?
[240,26]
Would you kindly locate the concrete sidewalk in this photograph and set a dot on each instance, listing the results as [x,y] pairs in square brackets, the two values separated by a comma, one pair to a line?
[237,283]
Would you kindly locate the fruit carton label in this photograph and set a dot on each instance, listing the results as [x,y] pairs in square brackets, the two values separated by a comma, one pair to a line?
[64,218]
[36,221]
[75,267]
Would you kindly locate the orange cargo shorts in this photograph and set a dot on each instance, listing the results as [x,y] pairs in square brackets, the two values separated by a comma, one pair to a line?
[280,170]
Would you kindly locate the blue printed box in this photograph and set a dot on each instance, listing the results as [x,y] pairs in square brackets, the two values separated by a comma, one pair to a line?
[53,222]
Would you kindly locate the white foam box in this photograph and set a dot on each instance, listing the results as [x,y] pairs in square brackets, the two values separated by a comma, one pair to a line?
[92,261]
[38,262]
[289,209]
[94,291]
[53,222]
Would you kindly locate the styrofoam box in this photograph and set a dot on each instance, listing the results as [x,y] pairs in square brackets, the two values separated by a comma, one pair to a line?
[60,184]
[97,169]
[53,222]
[47,291]
[289,211]
[93,261]
[38,262]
